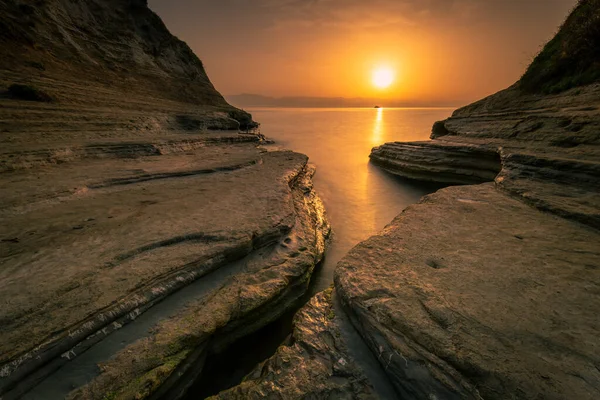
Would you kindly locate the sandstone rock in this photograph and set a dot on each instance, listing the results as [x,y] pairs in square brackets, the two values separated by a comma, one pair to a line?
[315,364]
[113,63]
[157,225]
[274,276]
[540,148]
[489,291]
[473,294]
[120,195]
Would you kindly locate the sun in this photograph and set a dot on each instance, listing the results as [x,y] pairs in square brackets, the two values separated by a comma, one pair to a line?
[383,77]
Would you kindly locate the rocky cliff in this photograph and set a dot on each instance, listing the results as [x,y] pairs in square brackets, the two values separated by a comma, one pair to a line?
[141,230]
[113,54]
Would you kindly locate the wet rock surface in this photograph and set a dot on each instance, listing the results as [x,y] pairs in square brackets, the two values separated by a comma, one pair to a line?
[315,363]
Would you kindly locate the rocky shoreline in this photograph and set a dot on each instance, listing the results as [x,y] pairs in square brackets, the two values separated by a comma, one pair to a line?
[144,233]
[132,184]
[488,289]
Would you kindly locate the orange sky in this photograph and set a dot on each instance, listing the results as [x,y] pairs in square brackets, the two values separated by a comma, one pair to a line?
[443,51]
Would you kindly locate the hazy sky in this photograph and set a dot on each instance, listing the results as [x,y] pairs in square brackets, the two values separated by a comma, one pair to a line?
[447,51]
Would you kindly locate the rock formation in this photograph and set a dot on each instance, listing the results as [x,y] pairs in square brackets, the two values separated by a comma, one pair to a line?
[315,364]
[123,208]
[490,290]
[115,224]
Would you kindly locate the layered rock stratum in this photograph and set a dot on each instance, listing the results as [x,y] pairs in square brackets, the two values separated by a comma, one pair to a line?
[131,200]
[489,289]
[137,238]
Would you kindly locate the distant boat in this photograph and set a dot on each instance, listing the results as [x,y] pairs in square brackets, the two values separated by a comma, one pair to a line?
[377,107]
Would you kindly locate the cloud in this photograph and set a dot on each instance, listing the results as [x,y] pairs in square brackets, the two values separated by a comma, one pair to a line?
[361,14]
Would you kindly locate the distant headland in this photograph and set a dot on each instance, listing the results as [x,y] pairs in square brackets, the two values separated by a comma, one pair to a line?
[258,100]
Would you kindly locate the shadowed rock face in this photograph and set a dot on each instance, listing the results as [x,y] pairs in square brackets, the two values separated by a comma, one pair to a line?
[572,57]
[109,54]
[315,363]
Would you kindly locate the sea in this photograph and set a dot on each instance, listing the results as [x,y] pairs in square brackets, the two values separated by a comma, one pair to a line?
[360,199]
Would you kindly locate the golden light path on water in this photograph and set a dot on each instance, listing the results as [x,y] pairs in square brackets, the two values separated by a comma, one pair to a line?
[360,198]
[378,129]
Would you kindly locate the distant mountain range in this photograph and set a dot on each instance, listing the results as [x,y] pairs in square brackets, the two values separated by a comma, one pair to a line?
[257,100]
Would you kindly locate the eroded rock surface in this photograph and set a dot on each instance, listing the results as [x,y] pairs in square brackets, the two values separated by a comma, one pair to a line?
[540,148]
[126,179]
[272,280]
[316,362]
[473,294]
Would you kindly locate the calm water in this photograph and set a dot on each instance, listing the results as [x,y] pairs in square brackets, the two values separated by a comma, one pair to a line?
[360,198]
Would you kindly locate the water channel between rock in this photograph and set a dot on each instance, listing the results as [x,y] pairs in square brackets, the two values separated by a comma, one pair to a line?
[360,200]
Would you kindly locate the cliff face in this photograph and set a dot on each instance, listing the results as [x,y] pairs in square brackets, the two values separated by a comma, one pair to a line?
[117,43]
[105,54]
[572,57]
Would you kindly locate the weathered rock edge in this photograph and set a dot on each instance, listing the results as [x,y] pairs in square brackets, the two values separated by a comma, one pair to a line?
[540,149]
[166,364]
[315,363]
[473,294]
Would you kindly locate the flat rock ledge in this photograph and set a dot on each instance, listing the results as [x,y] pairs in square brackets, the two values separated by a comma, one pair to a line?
[540,149]
[149,226]
[473,294]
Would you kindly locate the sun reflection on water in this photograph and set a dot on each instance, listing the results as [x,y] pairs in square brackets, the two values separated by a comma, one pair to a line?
[378,131]
[360,198]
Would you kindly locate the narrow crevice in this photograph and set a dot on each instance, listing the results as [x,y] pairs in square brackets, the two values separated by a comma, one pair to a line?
[227,368]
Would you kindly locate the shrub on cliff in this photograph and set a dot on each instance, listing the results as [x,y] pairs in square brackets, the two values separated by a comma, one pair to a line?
[572,57]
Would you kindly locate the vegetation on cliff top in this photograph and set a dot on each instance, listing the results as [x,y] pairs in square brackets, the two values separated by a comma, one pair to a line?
[572,57]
